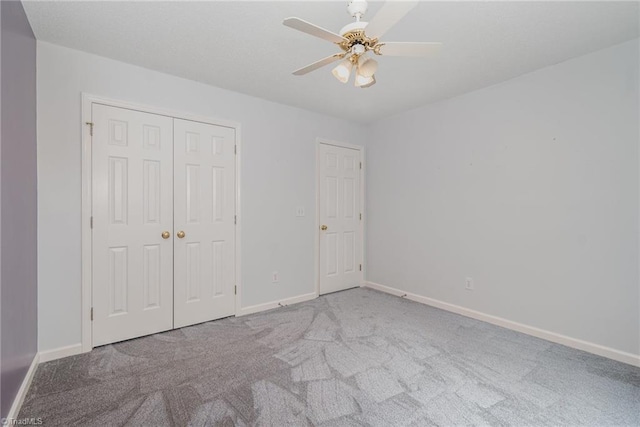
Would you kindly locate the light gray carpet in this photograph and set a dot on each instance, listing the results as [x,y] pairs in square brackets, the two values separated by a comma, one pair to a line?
[352,358]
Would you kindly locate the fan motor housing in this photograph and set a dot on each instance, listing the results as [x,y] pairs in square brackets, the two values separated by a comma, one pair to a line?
[352,27]
[355,35]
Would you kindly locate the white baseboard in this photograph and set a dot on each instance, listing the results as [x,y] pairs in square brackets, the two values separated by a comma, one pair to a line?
[600,350]
[275,304]
[59,353]
[72,350]
[22,391]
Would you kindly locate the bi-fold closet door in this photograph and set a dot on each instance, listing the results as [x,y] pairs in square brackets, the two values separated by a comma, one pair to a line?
[163,232]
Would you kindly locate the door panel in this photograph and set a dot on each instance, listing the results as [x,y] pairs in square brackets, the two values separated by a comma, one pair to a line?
[340,242]
[204,186]
[132,193]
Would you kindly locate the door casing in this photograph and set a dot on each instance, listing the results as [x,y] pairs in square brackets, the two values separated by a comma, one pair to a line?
[86,286]
[320,141]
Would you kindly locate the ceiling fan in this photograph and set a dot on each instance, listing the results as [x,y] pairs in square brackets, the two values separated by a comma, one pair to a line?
[360,37]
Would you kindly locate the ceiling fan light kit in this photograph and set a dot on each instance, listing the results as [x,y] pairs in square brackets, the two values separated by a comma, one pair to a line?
[358,38]
[342,72]
[364,82]
[367,66]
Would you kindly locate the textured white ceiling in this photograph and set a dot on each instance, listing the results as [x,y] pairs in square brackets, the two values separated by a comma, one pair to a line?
[243,46]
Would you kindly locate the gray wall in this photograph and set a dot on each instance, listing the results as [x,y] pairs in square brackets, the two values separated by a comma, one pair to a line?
[278,155]
[18,217]
[530,187]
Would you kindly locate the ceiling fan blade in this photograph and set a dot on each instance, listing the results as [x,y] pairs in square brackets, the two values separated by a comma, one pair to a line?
[410,48]
[314,30]
[391,12]
[318,64]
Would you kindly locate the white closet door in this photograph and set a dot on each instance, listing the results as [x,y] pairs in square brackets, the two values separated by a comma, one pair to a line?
[132,208]
[339,200]
[204,185]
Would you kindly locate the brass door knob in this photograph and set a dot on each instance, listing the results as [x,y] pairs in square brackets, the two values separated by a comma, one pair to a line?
[166,234]
[180,234]
[323,228]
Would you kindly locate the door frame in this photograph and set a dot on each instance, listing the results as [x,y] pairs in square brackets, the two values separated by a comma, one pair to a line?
[359,148]
[86,282]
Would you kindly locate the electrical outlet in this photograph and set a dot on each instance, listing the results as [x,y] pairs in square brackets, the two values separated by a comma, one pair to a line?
[274,277]
[468,284]
[300,211]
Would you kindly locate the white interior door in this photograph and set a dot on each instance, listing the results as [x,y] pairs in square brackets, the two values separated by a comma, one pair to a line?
[340,216]
[132,206]
[204,185]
